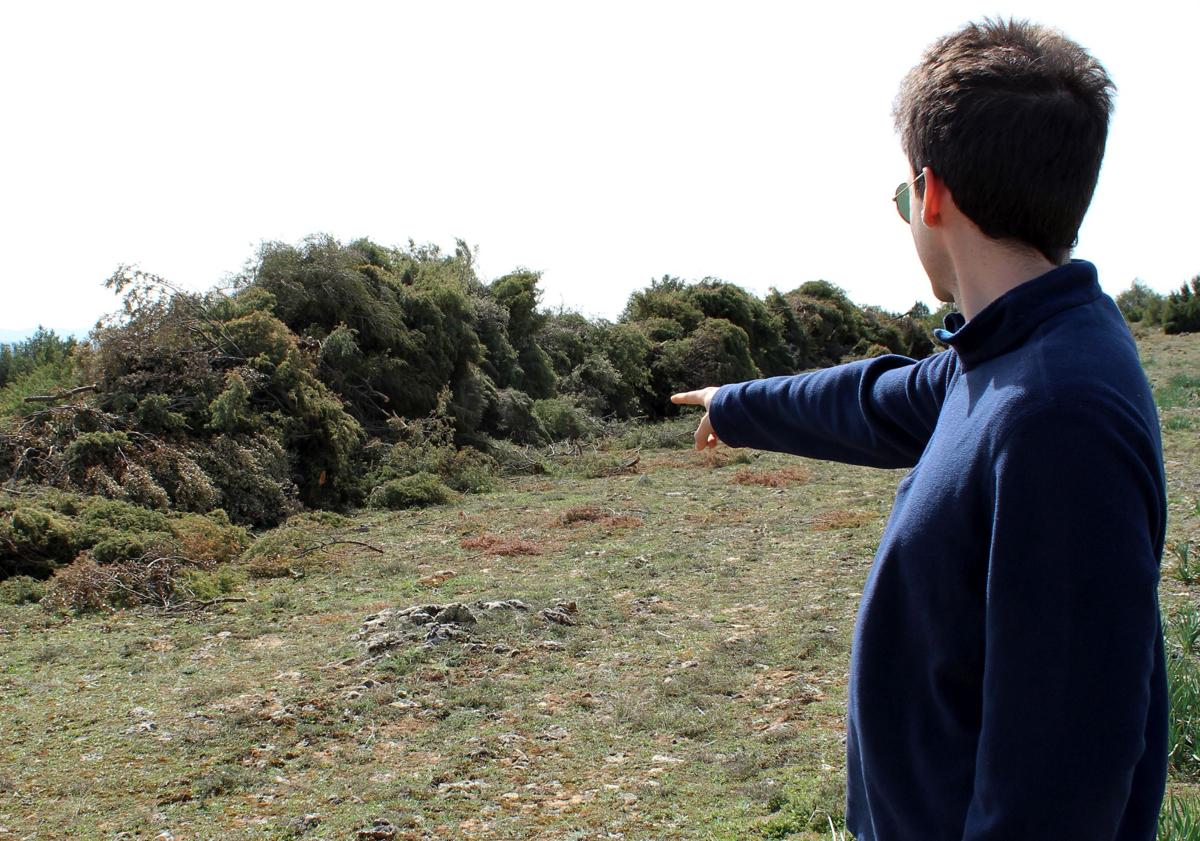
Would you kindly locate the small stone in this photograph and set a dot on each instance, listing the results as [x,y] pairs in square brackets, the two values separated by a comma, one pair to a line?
[554,614]
[507,604]
[379,830]
[382,642]
[456,613]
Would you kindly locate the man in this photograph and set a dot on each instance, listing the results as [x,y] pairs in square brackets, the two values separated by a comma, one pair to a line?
[1007,676]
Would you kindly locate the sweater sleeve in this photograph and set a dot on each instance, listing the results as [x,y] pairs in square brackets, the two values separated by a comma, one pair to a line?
[1071,626]
[878,412]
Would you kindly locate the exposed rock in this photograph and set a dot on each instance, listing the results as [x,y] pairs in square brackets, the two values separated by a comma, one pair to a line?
[379,830]
[455,613]
[434,624]
[563,613]
[507,604]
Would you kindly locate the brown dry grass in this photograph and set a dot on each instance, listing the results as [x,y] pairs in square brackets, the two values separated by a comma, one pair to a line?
[842,519]
[495,544]
[606,519]
[581,514]
[782,478]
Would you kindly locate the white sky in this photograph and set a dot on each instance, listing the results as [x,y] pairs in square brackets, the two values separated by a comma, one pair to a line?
[603,145]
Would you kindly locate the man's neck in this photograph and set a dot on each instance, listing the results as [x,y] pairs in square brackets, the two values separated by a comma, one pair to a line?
[986,270]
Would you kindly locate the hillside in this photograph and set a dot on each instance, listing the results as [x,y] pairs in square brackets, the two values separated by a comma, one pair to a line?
[676,666]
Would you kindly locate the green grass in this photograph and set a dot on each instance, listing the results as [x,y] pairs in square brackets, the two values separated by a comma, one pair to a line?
[1181,389]
[700,696]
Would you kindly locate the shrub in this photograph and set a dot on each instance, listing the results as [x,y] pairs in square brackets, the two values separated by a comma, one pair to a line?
[469,471]
[34,540]
[291,547]
[1140,303]
[563,418]
[21,589]
[41,535]
[206,585]
[1181,312]
[513,460]
[673,434]
[517,420]
[154,579]
[416,491]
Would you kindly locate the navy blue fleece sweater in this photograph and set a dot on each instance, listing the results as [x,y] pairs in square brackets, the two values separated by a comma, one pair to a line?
[1007,677]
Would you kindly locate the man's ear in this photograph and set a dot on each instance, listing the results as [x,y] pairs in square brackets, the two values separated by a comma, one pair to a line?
[931,203]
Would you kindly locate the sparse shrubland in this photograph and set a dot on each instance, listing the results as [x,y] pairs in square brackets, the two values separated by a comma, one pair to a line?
[338,377]
[656,652]
[331,376]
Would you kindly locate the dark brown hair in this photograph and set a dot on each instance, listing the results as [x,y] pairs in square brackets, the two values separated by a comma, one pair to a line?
[1013,117]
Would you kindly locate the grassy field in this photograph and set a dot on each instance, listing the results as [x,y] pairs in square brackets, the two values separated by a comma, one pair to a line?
[679,672]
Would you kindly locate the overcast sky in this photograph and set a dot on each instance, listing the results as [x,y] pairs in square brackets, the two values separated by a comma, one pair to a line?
[602,144]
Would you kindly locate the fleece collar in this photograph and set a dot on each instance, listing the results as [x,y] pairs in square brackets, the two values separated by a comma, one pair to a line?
[1007,321]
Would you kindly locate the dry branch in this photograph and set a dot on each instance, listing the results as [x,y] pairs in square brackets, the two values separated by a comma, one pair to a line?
[62,395]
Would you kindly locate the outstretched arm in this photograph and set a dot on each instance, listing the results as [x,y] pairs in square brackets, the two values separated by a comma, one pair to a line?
[878,412]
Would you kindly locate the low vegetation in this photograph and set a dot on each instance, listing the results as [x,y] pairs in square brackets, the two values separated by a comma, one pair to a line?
[365,547]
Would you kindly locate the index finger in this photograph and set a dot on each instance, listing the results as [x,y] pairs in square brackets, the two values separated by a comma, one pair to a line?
[690,398]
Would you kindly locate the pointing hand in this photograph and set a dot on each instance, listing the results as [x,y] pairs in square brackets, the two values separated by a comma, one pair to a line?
[705,436]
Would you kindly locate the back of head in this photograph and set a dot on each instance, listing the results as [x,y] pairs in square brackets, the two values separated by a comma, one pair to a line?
[1013,117]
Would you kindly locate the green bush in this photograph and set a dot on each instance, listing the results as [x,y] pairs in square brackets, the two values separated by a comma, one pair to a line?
[563,418]
[21,589]
[41,535]
[119,516]
[469,471]
[516,419]
[674,434]
[207,585]
[1181,312]
[34,540]
[416,491]
[515,460]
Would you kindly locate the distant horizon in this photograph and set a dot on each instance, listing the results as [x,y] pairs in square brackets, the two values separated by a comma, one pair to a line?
[11,335]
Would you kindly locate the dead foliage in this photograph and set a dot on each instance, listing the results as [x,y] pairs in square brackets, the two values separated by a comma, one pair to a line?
[495,544]
[603,517]
[622,521]
[842,519]
[782,478]
[714,458]
[157,580]
[582,514]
